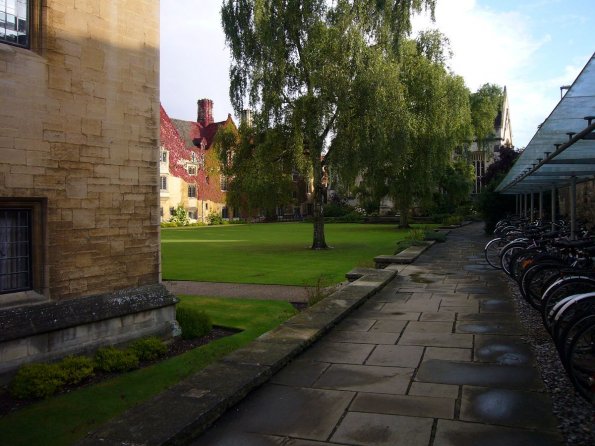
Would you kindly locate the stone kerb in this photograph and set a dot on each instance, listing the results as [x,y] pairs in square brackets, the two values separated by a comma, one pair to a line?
[406,256]
[191,406]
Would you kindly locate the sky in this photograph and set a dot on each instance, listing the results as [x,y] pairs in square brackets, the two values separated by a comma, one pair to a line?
[530,46]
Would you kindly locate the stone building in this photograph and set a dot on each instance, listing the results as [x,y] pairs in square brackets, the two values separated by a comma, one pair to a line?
[79,211]
[190,170]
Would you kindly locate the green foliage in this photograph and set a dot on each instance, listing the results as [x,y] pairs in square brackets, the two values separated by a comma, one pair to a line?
[214,219]
[37,381]
[455,184]
[493,206]
[435,236]
[69,417]
[76,368]
[453,220]
[485,105]
[169,224]
[111,359]
[180,216]
[149,349]
[308,69]
[417,234]
[194,322]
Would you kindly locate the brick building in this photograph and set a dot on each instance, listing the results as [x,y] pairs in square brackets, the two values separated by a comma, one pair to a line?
[190,169]
[79,211]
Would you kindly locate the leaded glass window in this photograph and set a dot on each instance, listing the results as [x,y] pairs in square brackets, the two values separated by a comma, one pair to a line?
[14,22]
[15,250]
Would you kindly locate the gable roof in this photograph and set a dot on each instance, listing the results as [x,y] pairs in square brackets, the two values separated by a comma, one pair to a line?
[194,133]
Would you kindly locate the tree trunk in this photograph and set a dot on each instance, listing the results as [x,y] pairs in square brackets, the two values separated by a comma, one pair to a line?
[318,241]
[404,216]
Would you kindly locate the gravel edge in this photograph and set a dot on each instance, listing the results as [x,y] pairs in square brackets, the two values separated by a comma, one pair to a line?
[576,417]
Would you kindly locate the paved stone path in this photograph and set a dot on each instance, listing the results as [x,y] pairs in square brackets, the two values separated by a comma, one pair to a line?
[436,358]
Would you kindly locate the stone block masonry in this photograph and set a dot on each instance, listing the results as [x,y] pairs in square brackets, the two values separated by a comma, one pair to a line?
[79,137]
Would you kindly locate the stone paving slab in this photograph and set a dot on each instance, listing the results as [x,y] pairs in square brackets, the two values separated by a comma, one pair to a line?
[457,433]
[408,255]
[513,408]
[367,429]
[413,406]
[396,356]
[510,350]
[365,378]
[479,374]
[284,411]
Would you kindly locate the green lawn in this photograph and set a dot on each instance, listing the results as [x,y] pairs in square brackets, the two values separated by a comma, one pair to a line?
[66,418]
[272,253]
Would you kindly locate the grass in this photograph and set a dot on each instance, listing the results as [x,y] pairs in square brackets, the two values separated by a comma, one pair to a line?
[66,418]
[275,253]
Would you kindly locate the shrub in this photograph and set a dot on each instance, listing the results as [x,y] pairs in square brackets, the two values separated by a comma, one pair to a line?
[453,220]
[194,322]
[214,219]
[435,236]
[76,368]
[169,224]
[149,349]
[180,216]
[37,381]
[416,234]
[111,359]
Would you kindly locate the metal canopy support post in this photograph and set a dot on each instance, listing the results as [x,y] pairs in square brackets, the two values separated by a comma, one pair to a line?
[573,208]
[553,212]
[541,205]
[532,205]
[516,204]
[526,205]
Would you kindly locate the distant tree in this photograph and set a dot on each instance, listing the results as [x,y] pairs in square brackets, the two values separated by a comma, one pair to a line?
[258,169]
[305,66]
[506,159]
[455,185]
[485,106]
[423,114]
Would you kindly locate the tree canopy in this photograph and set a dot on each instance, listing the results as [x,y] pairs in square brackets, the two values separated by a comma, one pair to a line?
[309,68]
[485,106]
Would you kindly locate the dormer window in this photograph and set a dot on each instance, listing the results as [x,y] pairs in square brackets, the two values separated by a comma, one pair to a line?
[164,156]
[193,157]
[191,169]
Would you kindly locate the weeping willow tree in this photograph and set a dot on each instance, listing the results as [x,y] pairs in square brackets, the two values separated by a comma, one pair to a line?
[425,114]
[308,67]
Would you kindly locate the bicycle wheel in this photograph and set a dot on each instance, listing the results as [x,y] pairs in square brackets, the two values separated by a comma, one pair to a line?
[492,252]
[575,307]
[508,251]
[534,280]
[569,335]
[558,291]
[581,360]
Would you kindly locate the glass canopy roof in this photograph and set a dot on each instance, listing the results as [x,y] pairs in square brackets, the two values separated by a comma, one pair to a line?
[564,145]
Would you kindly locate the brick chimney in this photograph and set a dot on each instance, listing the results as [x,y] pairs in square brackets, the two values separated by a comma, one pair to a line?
[205,112]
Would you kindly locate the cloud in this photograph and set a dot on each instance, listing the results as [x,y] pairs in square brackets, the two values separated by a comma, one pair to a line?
[194,58]
[498,47]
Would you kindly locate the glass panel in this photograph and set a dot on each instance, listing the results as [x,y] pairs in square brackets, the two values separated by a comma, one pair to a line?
[14,22]
[15,250]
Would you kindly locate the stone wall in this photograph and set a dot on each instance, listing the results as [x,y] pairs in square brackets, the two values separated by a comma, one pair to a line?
[79,138]
[79,129]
